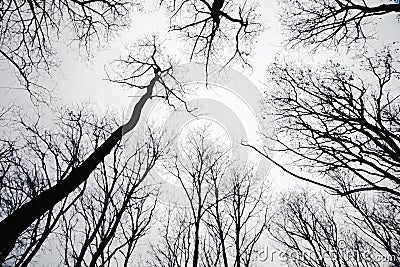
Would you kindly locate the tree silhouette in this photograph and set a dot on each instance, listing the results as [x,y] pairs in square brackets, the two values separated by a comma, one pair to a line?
[211,27]
[226,213]
[339,125]
[30,24]
[15,223]
[315,230]
[29,29]
[39,157]
[331,22]
[115,211]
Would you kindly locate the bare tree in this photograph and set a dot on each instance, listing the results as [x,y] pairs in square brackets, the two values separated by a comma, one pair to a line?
[225,217]
[139,68]
[212,25]
[332,22]
[237,218]
[341,126]
[175,247]
[15,223]
[203,156]
[34,24]
[313,231]
[105,224]
[29,28]
[336,121]
[376,216]
[37,158]
[248,208]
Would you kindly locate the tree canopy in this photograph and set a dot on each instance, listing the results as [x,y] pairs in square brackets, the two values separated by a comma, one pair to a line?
[68,181]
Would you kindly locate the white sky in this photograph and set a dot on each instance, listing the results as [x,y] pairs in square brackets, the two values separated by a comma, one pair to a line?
[77,80]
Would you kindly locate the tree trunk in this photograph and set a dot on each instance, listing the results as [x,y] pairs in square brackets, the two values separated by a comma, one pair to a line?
[16,223]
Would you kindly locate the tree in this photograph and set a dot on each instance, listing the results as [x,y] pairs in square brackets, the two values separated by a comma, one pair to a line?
[109,212]
[30,28]
[14,224]
[314,230]
[237,217]
[376,216]
[203,157]
[332,22]
[211,26]
[146,67]
[37,158]
[226,213]
[115,211]
[341,124]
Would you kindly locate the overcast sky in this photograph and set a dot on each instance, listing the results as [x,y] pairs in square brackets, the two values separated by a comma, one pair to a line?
[78,79]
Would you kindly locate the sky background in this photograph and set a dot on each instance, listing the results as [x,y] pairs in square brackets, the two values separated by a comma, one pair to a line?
[78,79]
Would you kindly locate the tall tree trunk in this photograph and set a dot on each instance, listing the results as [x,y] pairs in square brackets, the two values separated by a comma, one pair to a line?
[196,251]
[14,225]
[237,224]
[196,243]
[219,225]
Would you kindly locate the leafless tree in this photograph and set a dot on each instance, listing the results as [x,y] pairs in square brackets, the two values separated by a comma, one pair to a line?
[237,218]
[28,30]
[37,158]
[203,156]
[20,219]
[377,216]
[332,22]
[105,224]
[248,209]
[225,217]
[175,247]
[103,220]
[339,124]
[212,26]
[313,231]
